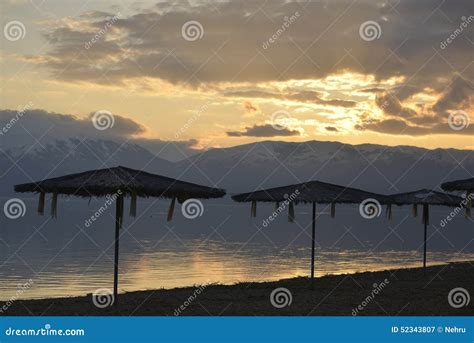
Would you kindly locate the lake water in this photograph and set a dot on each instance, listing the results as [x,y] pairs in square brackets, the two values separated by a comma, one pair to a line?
[64,257]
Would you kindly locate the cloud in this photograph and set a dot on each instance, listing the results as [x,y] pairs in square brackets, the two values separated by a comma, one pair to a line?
[149,43]
[331,129]
[410,77]
[400,127]
[38,127]
[250,109]
[372,90]
[338,103]
[392,106]
[458,95]
[306,96]
[266,130]
[252,93]
[421,119]
[37,122]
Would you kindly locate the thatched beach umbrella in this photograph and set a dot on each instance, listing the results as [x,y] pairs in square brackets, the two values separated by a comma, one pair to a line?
[459,185]
[313,192]
[467,186]
[117,183]
[425,197]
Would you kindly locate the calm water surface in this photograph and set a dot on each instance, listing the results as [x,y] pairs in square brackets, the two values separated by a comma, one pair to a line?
[64,258]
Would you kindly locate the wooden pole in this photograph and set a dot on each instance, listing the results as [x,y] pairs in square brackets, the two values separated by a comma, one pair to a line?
[415,210]
[54,206]
[41,204]
[389,211]
[133,205]
[313,241]
[118,226]
[291,212]
[425,221]
[171,209]
[253,209]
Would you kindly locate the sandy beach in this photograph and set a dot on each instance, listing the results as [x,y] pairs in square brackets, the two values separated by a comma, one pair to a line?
[405,292]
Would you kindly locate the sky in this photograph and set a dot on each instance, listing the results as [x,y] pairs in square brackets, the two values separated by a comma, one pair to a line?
[205,74]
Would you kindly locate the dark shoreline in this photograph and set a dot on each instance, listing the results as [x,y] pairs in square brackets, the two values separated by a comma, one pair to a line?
[405,292]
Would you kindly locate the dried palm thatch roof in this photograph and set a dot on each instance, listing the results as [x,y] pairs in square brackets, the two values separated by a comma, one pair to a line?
[426,197]
[102,182]
[459,185]
[312,191]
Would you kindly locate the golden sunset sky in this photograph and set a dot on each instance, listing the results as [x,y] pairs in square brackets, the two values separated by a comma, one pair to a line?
[217,74]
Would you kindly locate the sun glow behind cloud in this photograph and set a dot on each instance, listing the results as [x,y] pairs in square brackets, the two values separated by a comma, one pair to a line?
[397,89]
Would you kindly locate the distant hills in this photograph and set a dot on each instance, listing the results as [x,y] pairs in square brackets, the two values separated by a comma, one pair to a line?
[71,156]
[246,167]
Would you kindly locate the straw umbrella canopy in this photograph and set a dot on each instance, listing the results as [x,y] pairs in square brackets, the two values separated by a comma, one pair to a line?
[425,198]
[467,186]
[313,192]
[117,183]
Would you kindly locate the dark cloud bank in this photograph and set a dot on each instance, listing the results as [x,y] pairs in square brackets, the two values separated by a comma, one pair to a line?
[39,127]
[324,40]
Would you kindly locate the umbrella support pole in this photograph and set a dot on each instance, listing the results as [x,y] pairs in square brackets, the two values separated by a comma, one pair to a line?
[118,226]
[313,232]
[425,223]
[424,249]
